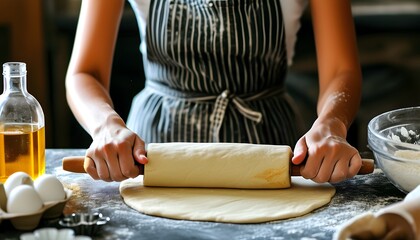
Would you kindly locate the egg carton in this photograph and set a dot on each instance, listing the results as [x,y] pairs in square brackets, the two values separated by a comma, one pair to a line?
[50,210]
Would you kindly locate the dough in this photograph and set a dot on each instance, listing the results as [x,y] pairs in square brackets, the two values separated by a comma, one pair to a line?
[227,205]
[236,165]
[365,223]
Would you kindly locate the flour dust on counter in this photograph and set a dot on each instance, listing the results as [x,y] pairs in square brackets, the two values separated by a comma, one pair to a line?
[227,205]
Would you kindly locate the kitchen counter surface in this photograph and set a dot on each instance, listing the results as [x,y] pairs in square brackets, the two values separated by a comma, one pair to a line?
[358,195]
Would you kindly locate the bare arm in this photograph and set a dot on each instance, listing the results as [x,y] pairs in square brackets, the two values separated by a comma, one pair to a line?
[329,156]
[87,90]
[88,75]
[338,64]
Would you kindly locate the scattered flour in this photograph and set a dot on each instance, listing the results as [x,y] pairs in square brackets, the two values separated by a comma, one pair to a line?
[339,97]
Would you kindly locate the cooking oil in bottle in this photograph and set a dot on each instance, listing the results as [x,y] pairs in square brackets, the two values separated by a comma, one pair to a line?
[22,126]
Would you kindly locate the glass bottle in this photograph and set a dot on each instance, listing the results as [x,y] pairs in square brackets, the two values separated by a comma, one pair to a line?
[22,126]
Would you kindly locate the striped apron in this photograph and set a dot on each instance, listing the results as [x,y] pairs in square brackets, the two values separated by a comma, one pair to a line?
[215,72]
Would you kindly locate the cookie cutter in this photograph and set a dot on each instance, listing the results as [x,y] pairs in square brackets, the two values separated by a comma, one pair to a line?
[84,223]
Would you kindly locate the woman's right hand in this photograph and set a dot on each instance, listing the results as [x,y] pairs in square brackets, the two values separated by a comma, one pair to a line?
[113,154]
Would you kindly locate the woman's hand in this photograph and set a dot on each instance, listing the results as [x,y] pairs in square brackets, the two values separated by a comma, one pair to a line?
[113,154]
[324,153]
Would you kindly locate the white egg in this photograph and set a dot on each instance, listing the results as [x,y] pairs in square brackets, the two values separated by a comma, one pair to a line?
[16,179]
[49,188]
[24,199]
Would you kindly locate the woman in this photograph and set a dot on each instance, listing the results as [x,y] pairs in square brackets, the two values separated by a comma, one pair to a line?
[215,73]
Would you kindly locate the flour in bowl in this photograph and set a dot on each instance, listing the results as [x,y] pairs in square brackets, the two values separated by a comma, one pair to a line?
[404,173]
[408,154]
[404,135]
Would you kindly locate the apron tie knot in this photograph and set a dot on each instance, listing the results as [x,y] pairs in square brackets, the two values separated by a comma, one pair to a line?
[220,106]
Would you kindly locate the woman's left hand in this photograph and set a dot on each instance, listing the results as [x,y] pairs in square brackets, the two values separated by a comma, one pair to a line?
[324,153]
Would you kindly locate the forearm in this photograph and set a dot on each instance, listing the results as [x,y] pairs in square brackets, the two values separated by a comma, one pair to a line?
[89,72]
[90,103]
[337,58]
[339,101]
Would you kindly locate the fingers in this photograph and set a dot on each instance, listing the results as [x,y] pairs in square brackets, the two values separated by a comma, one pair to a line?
[345,167]
[355,165]
[126,165]
[115,168]
[331,169]
[300,152]
[312,166]
[139,151]
[331,160]
[116,160]
[90,168]
[97,166]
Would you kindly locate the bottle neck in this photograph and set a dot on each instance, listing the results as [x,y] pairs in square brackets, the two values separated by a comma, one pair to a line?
[14,83]
[14,77]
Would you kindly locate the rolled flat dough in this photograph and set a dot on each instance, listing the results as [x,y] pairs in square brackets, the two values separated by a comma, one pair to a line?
[227,205]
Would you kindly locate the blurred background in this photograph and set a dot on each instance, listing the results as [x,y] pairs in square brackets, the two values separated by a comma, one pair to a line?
[41,33]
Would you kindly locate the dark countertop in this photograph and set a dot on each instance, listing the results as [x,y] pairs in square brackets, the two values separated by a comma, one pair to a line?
[360,194]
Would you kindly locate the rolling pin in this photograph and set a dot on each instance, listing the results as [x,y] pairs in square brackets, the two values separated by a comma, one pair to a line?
[217,165]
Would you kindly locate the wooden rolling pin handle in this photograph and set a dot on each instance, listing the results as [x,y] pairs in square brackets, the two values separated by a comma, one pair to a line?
[367,167]
[75,164]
